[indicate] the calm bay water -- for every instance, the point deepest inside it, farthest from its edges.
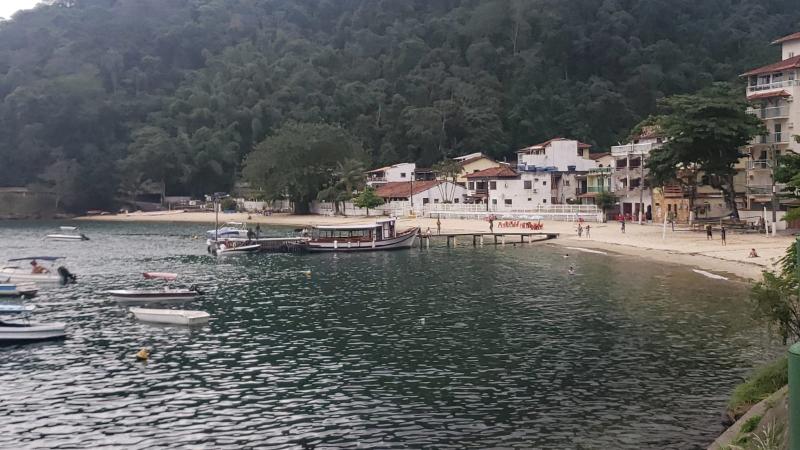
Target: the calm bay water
(487, 347)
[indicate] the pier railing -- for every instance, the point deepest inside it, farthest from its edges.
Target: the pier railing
(468, 211)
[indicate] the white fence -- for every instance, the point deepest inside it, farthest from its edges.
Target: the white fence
(274, 206)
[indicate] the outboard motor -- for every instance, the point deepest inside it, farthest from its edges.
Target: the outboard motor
(196, 289)
(66, 276)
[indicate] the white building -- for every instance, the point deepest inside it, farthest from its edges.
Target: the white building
(559, 154)
(771, 90)
(422, 192)
(403, 172)
(630, 174)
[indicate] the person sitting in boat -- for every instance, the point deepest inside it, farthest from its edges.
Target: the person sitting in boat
(36, 268)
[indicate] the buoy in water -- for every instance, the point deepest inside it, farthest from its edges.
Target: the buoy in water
(307, 273)
(143, 354)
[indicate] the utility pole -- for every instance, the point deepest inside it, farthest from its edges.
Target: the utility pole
(775, 205)
(641, 187)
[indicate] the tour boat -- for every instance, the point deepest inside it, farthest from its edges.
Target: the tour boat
(379, 235)
(229, 230)
(27, 290)
(154, 295)
(74, 236)
(14, 273)
(171, 316)
(21, 330)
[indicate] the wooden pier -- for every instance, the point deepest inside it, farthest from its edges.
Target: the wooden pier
(479, 239)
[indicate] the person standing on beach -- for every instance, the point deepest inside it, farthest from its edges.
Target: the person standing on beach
(709, 232)
(722, 233)
(491, 224)
(622, 224)
(588, 227)
(580, 230)
(438, 225)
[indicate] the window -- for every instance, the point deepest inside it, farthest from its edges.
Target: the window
(508, 201)
(493, 185)
(426, 200)
(494, 201)
(455, 200)
(436, 200)
(544, 200)
(566, 182)
(622, 163)
(527, 184)
(544, 183)
(777, 77)
(471, 185)
(402, 174)
(529, 199)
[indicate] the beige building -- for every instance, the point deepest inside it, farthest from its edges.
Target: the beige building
(771, 90)
(474, 162)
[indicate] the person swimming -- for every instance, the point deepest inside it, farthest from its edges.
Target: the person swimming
(571, 270)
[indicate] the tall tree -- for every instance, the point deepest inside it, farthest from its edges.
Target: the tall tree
(705, 131)
(296, 161)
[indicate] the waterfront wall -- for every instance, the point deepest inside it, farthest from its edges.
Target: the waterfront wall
(22, 203)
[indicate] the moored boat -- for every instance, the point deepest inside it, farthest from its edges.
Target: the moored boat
(21, 330)
(227, 248)
(379, 235)
(15, 308)
(144, 296)
(65, 236)
(169, 276)
(27, 290)
(171, 316)
(227, 231)
(35, 272)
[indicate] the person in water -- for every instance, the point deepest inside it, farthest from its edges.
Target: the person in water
(571, 270)
(36, 268)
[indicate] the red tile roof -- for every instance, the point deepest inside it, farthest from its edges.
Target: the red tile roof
(475, 158)
(596, 156)
(403, 189)
(761, 95)
(789, 63)
(494, 172)
(791, 37)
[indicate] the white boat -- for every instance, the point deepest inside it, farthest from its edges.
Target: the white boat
(144, 296)
(171, 316)
(14, 308)
(225, 248)
(74, 236)
(27, 290)
(24, 331)
(380, 235)
(15, 273)
(227, 231)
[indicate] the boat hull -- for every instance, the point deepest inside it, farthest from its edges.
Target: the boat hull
(143, 297)
(401, 241)
(29, 332)
(172, 317)
(66, 237)
(27, 290)
(14, 276)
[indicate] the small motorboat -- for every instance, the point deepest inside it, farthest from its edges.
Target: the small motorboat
(27, 290)
(227, 231)
(21, 330)
(225, 248)
(171, 316)
(35, 272)
(144, 296)
(160, 276)
(65, 235)
(12, 308)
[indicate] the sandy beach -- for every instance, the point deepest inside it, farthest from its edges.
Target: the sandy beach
(677, 247)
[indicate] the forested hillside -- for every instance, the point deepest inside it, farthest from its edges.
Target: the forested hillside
(98, 97)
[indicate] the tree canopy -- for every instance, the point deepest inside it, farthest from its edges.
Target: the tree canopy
(88, 84)
(704, 132)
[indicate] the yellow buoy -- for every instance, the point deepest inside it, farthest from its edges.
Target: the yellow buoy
(143, 354)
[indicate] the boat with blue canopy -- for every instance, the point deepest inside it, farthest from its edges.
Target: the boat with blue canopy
(36, 269)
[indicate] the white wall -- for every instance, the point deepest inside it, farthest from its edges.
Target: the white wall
(521, 198)
(446, 191)
(790, 47)
(395, 172)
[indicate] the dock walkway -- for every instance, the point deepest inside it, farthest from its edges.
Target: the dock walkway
(496, 238)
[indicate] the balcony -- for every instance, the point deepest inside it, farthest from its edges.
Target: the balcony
(772, 138)
(770, 86)
(633, 149)
(759, 164)
(773, 112)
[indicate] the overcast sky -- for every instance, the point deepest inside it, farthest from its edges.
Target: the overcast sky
(9, 7)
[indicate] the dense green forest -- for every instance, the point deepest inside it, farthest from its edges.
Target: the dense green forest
(98, 98)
